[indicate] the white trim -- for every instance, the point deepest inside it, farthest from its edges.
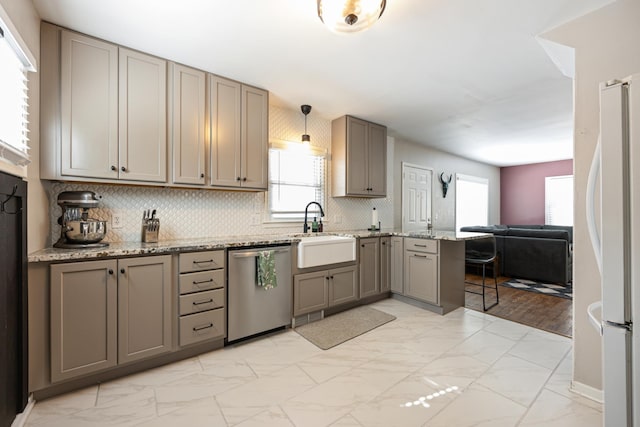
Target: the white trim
(13, 155)
(587, 391)
(15, 40)
(21, 418)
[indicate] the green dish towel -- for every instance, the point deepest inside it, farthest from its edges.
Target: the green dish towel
(266, 270)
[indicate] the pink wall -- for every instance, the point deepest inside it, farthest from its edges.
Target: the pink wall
(522, 190)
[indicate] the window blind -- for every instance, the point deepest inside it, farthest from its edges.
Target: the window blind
(296, 177)
(13, 104)
(558, 200)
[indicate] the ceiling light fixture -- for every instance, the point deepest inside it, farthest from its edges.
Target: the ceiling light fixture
(350, 16)
(306, 109)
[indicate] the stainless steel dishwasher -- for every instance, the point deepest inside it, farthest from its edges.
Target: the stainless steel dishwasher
(253, 309)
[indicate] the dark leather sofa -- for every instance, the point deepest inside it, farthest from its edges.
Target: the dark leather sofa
(535, 252)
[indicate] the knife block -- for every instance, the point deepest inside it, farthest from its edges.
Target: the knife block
(150, 230)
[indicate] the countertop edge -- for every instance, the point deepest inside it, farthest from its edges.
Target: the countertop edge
(124, 249)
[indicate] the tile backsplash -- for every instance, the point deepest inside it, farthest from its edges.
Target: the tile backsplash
(189, 213)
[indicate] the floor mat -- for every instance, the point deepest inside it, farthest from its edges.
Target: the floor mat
(341, 327)
(554, 289)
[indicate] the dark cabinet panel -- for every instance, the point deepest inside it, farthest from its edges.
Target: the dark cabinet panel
(13, 298)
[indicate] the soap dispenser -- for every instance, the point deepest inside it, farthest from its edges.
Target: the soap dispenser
(314, 224)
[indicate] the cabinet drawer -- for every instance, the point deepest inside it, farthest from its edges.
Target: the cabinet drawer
(202, 326)
(201, 281)
(421, 245)
(201, 301)
(198, 261)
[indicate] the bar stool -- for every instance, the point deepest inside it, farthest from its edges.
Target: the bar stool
(482, 252)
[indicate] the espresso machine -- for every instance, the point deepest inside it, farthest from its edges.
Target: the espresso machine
(77, 229)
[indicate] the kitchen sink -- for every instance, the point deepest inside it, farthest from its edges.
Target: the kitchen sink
(323, 250)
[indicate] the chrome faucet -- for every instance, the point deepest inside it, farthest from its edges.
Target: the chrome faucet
(305, 228)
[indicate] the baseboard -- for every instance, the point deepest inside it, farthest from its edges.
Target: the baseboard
(21, 418)
(587, 391)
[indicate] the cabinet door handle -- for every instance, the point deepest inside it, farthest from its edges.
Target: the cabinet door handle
(419, 256)
(203, 262)
(238, 178)
(200, 328)
(420, 246)
(123, 169)
(110, 271)
(113, 168)
(201, 175)
(122, 270)
(202, 281)
(244, 179)
(203, 302)
(331, 277)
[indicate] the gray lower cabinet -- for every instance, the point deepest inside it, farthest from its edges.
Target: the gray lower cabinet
(322, 289)
(202, 298)
(421, 270)
(310, 292)
(105, 313)
(144, 307)
(385, 264)
(84, 318)
(396, 264)
(343, 285)
(369, 252)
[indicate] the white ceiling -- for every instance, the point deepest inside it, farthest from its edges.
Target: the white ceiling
(468, 77)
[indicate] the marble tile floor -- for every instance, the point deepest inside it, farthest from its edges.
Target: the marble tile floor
(463, 369)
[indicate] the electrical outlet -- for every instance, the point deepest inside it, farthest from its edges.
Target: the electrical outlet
(117, 219)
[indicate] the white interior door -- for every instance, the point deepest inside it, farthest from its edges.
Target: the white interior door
(416, 197)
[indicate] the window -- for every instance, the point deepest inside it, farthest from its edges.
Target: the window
(296, 177)
(472, 201)
(558, 200)
(13, 105)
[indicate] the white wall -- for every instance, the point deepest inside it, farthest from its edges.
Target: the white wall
(443, 209)
(607, 44)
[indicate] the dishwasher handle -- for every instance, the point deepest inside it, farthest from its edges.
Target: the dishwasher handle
(257, 253)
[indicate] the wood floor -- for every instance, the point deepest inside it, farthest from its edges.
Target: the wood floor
(549, 313)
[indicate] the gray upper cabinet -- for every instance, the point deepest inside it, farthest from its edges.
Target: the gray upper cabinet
(359, 158)
(187, 124)
(103, 110)
(142, 117)
(84, 323)
(238, 116)
(88, 105)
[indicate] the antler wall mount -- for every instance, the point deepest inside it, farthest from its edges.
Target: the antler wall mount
(445, 183)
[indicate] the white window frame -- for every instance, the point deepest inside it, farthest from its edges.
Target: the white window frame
(565, 201)
(16, 151)
(313, 210)
(462, 204)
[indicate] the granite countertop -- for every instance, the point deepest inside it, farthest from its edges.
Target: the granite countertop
(204, 244)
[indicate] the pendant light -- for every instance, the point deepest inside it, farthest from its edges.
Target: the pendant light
(350, 16)
(306, 109)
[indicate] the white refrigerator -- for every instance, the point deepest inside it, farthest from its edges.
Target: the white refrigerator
(617, 247)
